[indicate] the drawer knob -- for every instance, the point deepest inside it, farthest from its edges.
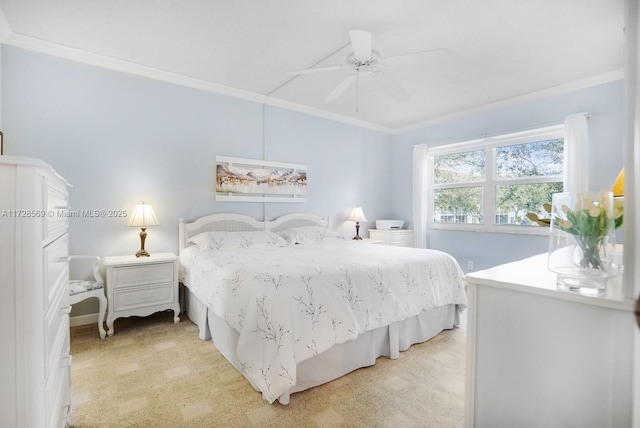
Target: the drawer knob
(65, 361)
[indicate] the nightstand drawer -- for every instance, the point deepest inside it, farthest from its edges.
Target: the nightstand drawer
(404, 239)
(140, 275)
(138, 297)
(397, 237)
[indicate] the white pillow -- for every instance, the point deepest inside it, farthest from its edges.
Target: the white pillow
(219, 240)
(304, 234)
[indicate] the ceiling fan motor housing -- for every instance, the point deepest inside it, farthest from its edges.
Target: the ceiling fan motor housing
(364, 66)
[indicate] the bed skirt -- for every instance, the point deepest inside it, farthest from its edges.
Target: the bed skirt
(339, 360)
(197, 313)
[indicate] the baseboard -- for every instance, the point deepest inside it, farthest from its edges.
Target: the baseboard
(83, 320)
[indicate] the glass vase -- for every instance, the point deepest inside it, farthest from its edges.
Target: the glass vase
(582, 241)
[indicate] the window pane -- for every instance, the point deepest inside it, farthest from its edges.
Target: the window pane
(459, 167)
(459, 205)
(539, 158)
(514, 202)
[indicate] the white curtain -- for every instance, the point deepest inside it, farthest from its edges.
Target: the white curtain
(576, 153)
(420, 181)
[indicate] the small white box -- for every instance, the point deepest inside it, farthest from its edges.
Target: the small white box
(389, 224)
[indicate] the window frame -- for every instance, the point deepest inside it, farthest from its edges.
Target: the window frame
(488, 186)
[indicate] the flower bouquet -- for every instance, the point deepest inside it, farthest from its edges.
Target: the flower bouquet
(618, 209)
(582, 247)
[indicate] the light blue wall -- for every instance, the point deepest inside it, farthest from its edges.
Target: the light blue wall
(120, 139)
(604, 103)
(347, 165)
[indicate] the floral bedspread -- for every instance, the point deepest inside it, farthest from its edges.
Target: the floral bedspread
(291, 303)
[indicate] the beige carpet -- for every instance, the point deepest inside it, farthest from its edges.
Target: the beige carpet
(154, 373)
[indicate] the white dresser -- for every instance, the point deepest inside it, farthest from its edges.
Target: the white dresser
(141, 286)
(542, 357)
(397, 237)
(35, 368)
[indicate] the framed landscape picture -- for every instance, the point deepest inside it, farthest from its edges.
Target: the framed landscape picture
(249, 180)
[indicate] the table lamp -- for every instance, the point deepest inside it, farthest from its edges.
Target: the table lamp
(358, 216)
(143, 216)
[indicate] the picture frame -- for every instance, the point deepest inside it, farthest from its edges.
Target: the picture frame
(252, 180)
(1, 143)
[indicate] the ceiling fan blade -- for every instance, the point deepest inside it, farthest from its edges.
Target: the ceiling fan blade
(315, 70)
(391, 87)
(394, 57)
(342, 86)
(361, 44)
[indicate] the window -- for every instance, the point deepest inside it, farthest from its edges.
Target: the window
(491, 184)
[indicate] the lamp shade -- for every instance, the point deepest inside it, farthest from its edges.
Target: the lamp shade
(143, 216)
(357, 215)
(618, 186)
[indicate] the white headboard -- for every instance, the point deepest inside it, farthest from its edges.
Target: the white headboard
(289, 221)
(230, 222)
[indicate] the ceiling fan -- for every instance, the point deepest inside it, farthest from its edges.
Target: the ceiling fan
(363, 62)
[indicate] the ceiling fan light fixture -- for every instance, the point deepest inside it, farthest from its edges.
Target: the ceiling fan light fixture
(373, 61)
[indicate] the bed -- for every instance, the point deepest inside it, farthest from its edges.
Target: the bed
(291, 305)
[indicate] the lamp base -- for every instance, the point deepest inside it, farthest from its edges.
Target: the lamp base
(142, 253)
(357, 237)
(143, 236)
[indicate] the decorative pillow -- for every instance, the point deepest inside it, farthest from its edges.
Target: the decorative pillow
(80, 286)
(219, 240)
(304, 234)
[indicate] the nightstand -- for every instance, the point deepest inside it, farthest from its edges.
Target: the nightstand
(141, 286)
(397, 237)
(370, 241)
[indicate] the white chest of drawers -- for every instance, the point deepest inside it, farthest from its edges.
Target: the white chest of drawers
(35, 364)
(397, 237)
(542, 357)
(141, 286)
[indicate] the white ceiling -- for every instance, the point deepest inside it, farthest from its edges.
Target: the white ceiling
(498, 52)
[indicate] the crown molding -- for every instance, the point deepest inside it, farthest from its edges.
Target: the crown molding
(42, 46)
(600, 79)
(103, 61)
